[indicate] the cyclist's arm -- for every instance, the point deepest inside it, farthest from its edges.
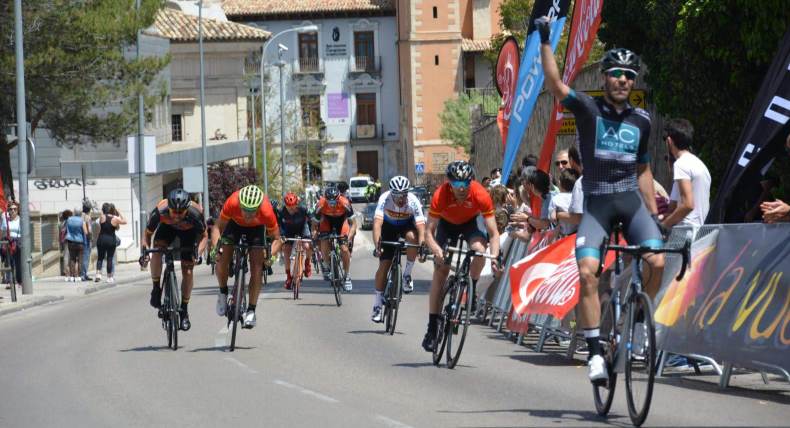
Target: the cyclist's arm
(153, 223)
(645, 177)
(420, 233)
(377, 223)
(216, 231)
(493, 235)
(554, 82)
(433, 223)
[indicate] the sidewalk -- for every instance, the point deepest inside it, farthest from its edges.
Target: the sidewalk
(54, 289)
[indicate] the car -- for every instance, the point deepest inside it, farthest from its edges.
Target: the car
(422, 194)
(367, 216)
(357, 187)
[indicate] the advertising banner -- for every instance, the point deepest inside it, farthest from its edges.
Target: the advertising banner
(506, 79)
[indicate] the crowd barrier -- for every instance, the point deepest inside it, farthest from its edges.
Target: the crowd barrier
(732, 309)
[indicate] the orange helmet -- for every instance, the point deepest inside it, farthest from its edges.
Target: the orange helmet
(291, 199)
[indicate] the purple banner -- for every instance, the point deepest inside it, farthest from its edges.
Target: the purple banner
(337, 105)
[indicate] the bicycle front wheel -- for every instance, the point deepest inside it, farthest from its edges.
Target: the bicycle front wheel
(641, 359)
(603, 392)
(443, 323)
(297, 274)
(175, 316)
(337, 279)
(394, 298)
(235, 312)
(387, 308)
(461, 301)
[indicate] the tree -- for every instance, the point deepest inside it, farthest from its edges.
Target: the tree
(223, 180)
(78, 82)
(456, 120)
(706, 62)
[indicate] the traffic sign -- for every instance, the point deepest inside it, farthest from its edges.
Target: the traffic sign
(637, 99)
(419, 168)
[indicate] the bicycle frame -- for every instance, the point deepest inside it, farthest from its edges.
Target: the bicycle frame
(297, 256)
(171, 317)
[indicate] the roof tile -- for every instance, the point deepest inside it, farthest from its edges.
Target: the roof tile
(469, 45)
(181, 27)
(280, 7)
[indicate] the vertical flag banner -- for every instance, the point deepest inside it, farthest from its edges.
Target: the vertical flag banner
(506, 75)
(530, 75)
(761, 141)
(586, 20)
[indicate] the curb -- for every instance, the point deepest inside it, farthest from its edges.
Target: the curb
(36, 301)
(106, 285)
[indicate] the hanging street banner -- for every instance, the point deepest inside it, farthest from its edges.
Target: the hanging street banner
(734, 304)
(530, 75)
(760, 142)
(586, 20)
(506, 75)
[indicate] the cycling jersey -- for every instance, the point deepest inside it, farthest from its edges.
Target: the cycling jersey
(192, 220)
(611, 144)
(342, 208)
(232, 211)
(444, 205)
(293, 225)
(391, 213)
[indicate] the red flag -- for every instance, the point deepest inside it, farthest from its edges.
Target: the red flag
(506, 79)
(586, 19)
(3, 202)
(502, 124)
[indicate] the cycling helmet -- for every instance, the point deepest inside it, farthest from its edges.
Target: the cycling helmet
(290, 199)
(331, 193)
(250, 197)
(178, 200)
(399, 184)
(620, 58)
(460, 170)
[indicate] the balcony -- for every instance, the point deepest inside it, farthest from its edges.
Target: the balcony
(488, 98)
(308, 65)
(365, 64)
(372, 132)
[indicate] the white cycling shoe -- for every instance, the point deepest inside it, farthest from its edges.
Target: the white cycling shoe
(250, 320)
(596, 369)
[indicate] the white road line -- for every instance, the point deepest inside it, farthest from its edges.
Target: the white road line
(306, 391)
(391, 422)
(242, 365)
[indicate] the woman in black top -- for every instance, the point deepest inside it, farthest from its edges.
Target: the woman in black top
(109, 221)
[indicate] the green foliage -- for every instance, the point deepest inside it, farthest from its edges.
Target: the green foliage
(456, 119)
(78, 82)
(706, 61)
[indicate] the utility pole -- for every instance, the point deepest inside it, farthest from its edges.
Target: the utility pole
(206, 202)
(254, 154)
(280, 65)
(140, 128)
(21, 124)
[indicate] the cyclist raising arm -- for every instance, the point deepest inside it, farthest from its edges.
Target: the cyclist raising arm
(398, 215)
(617, 181)
(176, 216)
(246, 213)
(454, 211)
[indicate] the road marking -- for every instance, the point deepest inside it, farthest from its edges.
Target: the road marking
(391, 422)
(306, 391)
(242, 365)
(222, 338)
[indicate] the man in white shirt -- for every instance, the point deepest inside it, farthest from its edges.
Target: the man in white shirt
(690, 196)
(576, 209)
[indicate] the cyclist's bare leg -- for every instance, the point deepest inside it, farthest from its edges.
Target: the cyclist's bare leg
(325, 251)
(308, 250)
(156, 262)
(437, 283)
(478, 244)
(345, 255)
(652, 271)
(590, 316)
(411, 253)
(381, 274)
(223, 265)
(286, 256)
(187, 267)
(256, 273)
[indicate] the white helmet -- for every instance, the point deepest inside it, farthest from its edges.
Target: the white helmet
(399, 184)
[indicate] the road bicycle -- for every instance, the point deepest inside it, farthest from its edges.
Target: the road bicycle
(393, 291)
(457, 295)
(336, 274)
(169, 311)
(628, 332)
(297, 263)
(237, 298)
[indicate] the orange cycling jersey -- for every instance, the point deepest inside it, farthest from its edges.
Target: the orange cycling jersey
(192, 220)
(263, 217)
(444, 205)
(341, 209)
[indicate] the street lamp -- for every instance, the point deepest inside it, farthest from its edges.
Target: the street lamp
(280, 64)
(306, 28)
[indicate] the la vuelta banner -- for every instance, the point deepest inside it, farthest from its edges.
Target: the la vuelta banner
(586, 20)
(506, 75)
(734, 305)
(530, 75)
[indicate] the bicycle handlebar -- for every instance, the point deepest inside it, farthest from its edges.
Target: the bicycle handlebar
(298, 240)
(639, 250)
(400, 243)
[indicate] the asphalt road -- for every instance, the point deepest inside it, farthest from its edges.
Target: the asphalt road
(102, 360)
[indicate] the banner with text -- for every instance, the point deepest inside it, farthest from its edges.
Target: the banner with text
(506, 74)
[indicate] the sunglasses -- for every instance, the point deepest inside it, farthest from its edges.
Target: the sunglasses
(630, 75)
(561, 162)
(459, 184)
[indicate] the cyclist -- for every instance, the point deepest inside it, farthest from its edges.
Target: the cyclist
(294, 223)
(176, 216)
(455, 208)
(617, 182)
(332, 213)
(398, 215)
(352, 223)
(246, 213)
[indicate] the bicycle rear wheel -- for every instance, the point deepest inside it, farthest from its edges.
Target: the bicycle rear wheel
(175, 316)
(394, 299)
(387, 308)
(443, 322)
(461, 301)
(297, 274)
(235, 312)
(603, 392)
(641, 362)
(337, 280)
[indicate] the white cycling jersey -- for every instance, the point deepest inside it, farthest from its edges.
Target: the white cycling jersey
(399, 216)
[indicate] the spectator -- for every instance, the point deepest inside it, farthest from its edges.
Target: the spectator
(538, 183)
(690, 196)
(561, 161)
(76, 230)
(561, 202)
(10, 227)
(486, 181)
(576, 209)
(109, 221)
(777, 211)
(86, 253)
(496, 174)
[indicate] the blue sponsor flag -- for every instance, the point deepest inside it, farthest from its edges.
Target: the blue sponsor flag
(530, 76)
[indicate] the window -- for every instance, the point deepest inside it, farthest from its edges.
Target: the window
(435, 12)
(364, 51)
(308, 52)
(311, 110)
(177, 126)
(436, 60)
(366, 109)
(469, 71)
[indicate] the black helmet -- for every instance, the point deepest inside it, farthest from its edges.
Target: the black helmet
(460, 170)
(178, 199)
(620, 58)
(331, 193)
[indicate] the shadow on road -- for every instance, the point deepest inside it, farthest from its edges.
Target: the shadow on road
(558, 416)
(147, 349)
(428, 364)
(710, 384)
(220, 348)
(548, 360)
(379, 332)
